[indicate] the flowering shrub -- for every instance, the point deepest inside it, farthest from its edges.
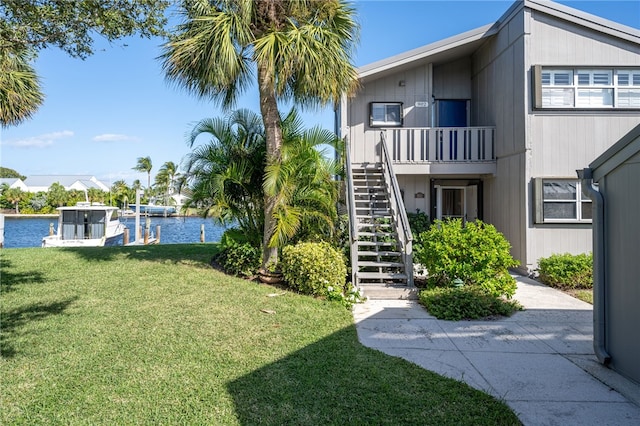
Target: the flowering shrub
(312, 268)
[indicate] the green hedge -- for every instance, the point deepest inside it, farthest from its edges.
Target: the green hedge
(312, 268)
(465, 303)
(567, 271)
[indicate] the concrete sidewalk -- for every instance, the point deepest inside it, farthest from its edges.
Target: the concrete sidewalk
(539, 361)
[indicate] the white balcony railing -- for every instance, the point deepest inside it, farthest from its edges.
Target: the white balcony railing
(441, 144)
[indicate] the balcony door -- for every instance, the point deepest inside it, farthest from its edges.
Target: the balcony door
(452, 113)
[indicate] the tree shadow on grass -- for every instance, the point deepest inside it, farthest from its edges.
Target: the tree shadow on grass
(336, 380)
(173, 253)
(14, 320)
(10, 279)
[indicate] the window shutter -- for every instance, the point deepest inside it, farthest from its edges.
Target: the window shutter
(538, 201)
(537, 86)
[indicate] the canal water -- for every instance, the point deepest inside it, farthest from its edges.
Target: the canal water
(28, 231)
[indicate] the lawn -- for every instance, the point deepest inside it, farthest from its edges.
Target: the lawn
(154, 335)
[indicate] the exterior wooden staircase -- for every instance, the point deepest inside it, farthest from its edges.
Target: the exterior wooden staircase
(380, 237)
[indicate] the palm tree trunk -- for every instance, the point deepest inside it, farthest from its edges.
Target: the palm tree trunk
(273, 136)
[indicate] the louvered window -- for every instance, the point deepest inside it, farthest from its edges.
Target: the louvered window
(597, 88)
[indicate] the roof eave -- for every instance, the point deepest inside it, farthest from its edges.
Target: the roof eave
(423, 52)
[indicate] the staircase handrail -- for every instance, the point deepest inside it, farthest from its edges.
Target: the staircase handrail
(395, 189)
(399, 208)
(351, 209)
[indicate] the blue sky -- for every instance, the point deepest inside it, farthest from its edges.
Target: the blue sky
(102, 113)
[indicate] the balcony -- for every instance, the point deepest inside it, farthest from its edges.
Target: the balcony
(442, 150)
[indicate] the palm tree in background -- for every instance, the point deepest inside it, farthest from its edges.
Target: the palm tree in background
(20, 92)
(121, 193)
(57, 195)
(165, 180)
(14, 196)
(297, 50)
(145, 165)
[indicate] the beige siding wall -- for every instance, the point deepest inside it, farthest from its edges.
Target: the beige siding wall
(410, 185)
(452, 80)
(563, 142)
(414, 88)
(498, 80)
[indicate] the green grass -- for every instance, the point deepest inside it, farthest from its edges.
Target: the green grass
(584, 295)
(153, 335)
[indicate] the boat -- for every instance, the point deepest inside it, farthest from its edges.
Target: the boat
(153, 210)
(86, 225)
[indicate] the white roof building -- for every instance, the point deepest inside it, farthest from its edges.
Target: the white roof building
(39, 183)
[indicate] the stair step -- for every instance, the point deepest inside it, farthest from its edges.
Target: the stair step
(382, 275)
(377, 243)
(376, 264)
(377, 234)
(374, 216)
(381, 291)
(374, 225)
(379, 253)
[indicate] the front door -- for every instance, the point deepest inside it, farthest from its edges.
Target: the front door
(451, 202)
(456, 199)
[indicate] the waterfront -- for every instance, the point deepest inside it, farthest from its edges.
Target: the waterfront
(28, 231)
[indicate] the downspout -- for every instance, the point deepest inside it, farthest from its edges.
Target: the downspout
(599, 280)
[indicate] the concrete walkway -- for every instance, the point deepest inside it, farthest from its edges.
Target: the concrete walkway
(539, 361)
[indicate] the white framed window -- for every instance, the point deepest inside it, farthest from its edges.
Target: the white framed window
(628, 83)
(385, 114)
(586, 88)
(560, 200)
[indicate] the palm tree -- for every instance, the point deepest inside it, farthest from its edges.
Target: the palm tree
(166, 179)
(144, 165)
(226, 173)
(120, 191)
(96, 195)
(298, 50)
(57, 195)
(20, 92)
(14, 196)
(303, 184)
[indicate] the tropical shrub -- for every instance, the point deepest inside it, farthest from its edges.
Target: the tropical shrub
(474, 253)
(348, 297)
(419, 222)
(237, 255)
(465, 303)
(567, 271)
(311, 268)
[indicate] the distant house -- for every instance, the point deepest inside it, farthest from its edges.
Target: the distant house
(14, 183)
(616, 242)
(37, 183)
(489, 124)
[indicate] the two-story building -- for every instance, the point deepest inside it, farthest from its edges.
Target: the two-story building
(490, 124)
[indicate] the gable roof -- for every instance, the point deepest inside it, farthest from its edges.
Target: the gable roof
(48, 180)
(43, 182)
(617, 154)
(13, 182)
(467, 42)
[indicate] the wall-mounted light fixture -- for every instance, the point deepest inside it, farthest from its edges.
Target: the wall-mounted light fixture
(401, 83)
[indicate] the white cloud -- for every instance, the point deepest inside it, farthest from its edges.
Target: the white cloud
(40, 141)
(113, 137)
